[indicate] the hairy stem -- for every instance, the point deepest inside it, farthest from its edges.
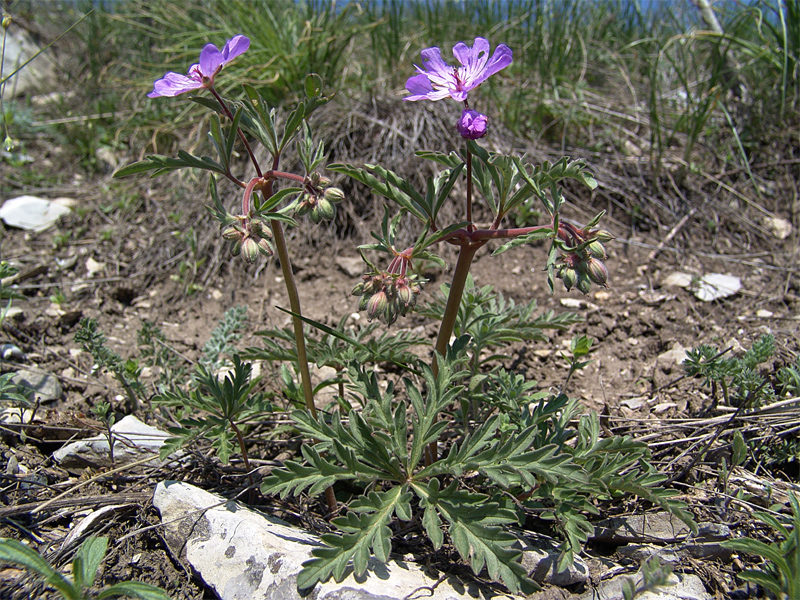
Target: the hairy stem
(294, 304)
(465, 256)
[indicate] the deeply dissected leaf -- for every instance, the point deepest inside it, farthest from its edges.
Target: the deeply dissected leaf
(365, 533)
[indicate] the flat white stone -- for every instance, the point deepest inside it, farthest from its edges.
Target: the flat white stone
(716, 286)
(779, 228)
(677, 279)
(33, 213)
(244, 555)
(133, 440)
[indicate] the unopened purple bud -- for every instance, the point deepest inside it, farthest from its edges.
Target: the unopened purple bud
(250, 250)
(472, 124)
(597, 271)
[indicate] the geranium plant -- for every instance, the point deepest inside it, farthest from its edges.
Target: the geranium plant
(523, 456)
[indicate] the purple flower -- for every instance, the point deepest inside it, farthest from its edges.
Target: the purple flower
(472, 124)
(437, 80)
(201, 75)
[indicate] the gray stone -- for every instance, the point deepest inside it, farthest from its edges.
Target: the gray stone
(12, 352)
(44, 385)
(353, 267)
(681, 587)
(661, 526)
(37, 74)
(133, 441)
(33, 213)
(244, 555)
(540, 557)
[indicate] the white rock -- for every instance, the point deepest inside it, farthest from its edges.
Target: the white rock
(764, 314)
(674, 356)
(93, 267)
(133, 440)
(779, 228)
(244, 555)
(33, 213)
(677, 279)
(715, 286)
(682, 587)
(578, 303)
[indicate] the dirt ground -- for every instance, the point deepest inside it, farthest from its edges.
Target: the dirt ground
(142, 270)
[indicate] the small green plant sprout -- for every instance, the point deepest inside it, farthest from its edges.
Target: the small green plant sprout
(58, 297)
(220, 408)
(85, 565)
(15, 395)
(779, 574)
(738, 378)
(102, 410)
(579, 348)
(220, 344)
(653, 574)
(7, 294)
(155, 352)
(126, 372)
(789, 379)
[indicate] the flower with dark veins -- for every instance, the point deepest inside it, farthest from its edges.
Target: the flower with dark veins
(436, 79)
(201, 75)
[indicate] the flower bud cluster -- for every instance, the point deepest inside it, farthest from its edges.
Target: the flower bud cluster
(248, 237)
(318, 200)
(582, 268)
(386, 296)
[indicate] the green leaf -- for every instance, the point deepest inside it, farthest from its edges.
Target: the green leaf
(133, 589)
(87, 560)
(13, 552)
(477, 533)
(365, 533)
(539, 234)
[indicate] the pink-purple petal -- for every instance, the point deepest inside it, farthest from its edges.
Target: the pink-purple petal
(234, 47)
(210, 60)
(432, 62)
(173, 84)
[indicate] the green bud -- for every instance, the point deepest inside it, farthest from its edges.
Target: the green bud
(323, 182)
(314, 215)
(6, 21)
(326, 210)
(250, 250)
(236, 247)
(405, 295)
(363, 302)
(358, 289)
(256, 228)
(597, 250)
(302, 209)
(597, 271)
(333, 195)
(602, 235)
(569, 276)
(264, 247)
(584, 283)
(376, 306)
(231, 232)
